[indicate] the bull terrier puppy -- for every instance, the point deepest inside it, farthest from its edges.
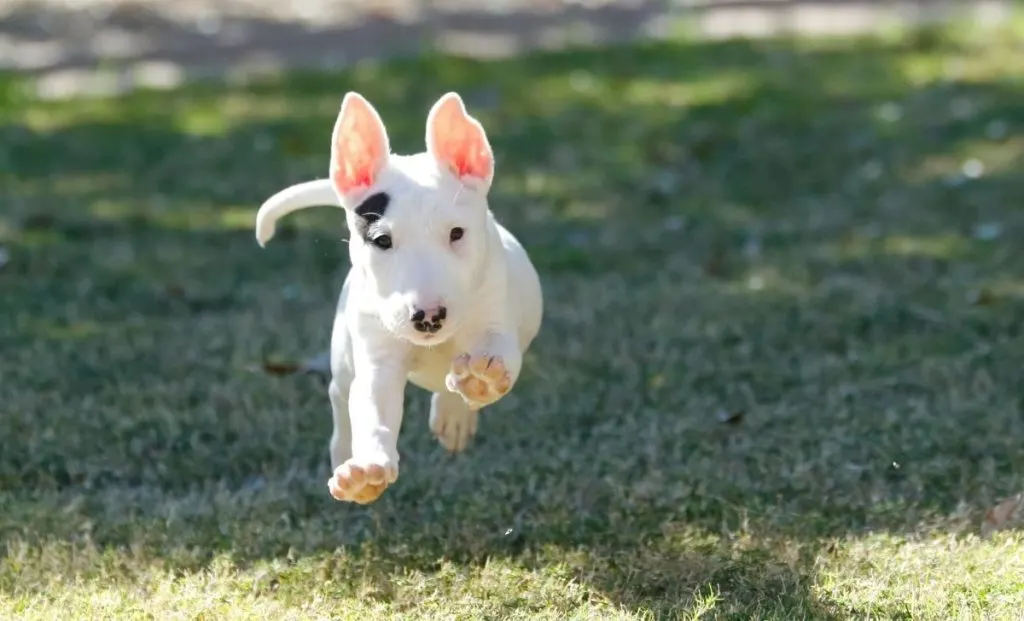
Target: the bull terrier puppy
(438, 292)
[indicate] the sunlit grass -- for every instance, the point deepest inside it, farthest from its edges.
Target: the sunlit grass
(935, 577)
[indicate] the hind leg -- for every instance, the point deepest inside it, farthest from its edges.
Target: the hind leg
(452, 421)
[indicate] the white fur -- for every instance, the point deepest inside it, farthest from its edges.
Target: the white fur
(485, 280)
(293, 198)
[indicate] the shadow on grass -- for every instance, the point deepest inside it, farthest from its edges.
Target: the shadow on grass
(796, 234)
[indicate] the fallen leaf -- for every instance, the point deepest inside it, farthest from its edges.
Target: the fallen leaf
(317, 365)
(281, 368)
(1004, 515)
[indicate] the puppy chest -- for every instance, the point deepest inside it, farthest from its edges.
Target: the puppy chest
(428, 367)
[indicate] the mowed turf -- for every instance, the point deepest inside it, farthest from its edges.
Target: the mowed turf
(778, 376)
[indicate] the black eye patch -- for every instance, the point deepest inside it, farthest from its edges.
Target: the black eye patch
(370, 211)
(373, 208)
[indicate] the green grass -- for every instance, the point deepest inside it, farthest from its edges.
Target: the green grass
(779, 230)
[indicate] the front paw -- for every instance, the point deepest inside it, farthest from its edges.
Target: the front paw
(363, 481)
(480, 379)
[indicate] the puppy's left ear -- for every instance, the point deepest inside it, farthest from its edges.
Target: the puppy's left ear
(459, 144)
(359, 147)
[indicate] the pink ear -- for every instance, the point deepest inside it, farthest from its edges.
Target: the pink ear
(359, 145)
(458, 141)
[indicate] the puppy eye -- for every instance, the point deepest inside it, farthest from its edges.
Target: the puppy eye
(456, 234)
(382, 241)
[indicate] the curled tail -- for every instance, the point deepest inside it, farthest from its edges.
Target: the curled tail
(292, 198)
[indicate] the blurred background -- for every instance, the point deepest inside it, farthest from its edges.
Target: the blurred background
(109, 46)
(780, 244)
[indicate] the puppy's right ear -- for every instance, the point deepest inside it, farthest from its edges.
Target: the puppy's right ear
(458, 142)
(359, 148)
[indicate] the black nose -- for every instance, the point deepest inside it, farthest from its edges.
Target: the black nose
(433, 324)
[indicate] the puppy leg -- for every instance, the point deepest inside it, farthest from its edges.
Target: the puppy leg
(341, 369)
(452, 421)
(341, 438)
(375, 408)
(488, 370)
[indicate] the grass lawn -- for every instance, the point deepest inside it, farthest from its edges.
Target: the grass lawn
(777, 379)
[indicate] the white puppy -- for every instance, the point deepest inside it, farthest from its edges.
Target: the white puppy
(438, 294)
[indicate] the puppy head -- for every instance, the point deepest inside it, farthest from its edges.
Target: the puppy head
(418, 222)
